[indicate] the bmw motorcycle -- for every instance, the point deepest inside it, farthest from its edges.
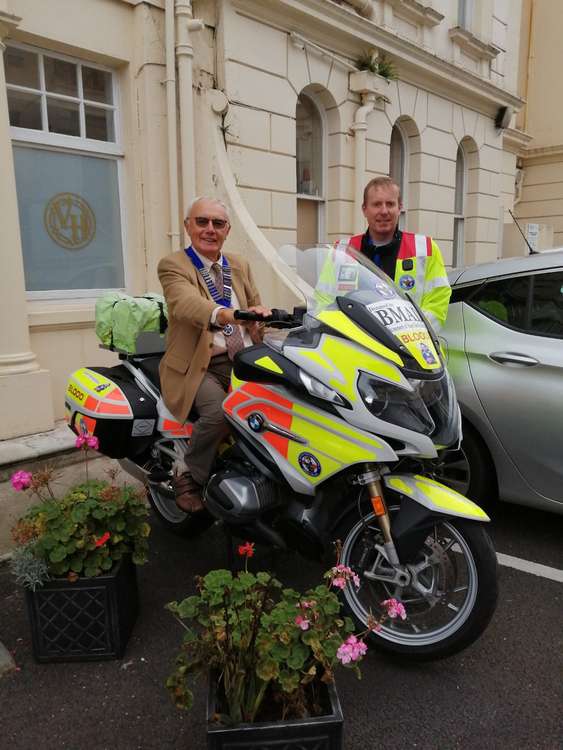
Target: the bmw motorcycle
(339, 421)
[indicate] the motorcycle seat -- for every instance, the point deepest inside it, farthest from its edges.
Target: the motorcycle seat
(149, 366)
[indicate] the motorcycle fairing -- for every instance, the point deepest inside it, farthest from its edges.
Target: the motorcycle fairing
(435, 496)
(308, 444)
(94, 394)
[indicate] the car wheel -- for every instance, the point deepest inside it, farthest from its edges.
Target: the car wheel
(470, 470)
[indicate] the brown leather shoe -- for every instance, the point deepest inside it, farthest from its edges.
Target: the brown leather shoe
(188, 493)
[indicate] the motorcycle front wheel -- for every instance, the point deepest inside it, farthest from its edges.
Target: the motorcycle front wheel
(449, 599)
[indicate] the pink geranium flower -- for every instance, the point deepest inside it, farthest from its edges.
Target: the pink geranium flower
(93, 442)
(302, 622)
(395, 609)
(21, 480)
(351, 650)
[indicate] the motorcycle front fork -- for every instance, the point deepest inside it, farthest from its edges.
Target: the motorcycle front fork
(372, 480)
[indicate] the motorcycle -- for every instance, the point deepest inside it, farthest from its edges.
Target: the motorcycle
(339, 420)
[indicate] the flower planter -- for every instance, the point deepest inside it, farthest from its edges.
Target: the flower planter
(88, 620)
(316, 733)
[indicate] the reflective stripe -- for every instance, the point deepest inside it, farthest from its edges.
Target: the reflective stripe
(421, 246)
(439, 281)
(418, 290)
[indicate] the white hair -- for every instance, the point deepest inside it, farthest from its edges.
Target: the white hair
(206, 198)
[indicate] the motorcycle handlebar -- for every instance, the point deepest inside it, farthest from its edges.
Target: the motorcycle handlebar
(277, 317)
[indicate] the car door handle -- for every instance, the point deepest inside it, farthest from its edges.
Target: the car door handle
(513, 358)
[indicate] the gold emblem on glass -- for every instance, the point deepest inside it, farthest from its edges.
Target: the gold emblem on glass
(69, 221)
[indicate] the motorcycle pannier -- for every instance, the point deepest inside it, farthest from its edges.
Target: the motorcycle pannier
(134, 325)
(106, 402)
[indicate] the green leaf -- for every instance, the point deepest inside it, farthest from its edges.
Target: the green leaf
(188, 608)
(267, 669)
(58, 554)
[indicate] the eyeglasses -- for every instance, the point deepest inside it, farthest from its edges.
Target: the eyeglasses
(203, 221)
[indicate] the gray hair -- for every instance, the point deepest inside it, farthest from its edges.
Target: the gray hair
(207, 198)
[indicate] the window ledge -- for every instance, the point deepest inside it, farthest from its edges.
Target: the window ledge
(61, 315)
(412, 10)
(472, 45)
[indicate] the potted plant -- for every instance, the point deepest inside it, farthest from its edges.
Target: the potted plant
(270, 653)
(76, 557)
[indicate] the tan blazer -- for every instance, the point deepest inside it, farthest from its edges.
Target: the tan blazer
(189, 337)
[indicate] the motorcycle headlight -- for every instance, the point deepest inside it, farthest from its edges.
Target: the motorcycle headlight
(320, 390)
(396, 405)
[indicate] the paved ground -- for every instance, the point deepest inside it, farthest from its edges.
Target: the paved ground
(504, 692)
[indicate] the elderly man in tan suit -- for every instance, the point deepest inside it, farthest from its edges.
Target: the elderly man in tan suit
(203, 287)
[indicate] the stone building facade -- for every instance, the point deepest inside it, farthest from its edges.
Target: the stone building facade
(114, 114)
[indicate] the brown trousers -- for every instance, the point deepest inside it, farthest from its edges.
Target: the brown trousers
(211, 428)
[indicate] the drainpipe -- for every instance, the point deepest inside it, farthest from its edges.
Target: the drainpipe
(184, 53)
(171, 109)
(359, 128)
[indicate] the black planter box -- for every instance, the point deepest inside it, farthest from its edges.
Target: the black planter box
(317, 733)
(88, 620)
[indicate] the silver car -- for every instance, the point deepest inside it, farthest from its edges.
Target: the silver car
(504, 344)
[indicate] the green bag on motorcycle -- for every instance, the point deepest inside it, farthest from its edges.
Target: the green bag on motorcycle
(133, 325)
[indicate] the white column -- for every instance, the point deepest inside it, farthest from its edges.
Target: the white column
(25, 389)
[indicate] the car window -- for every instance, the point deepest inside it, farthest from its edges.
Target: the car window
(505, 300)
(546, 315)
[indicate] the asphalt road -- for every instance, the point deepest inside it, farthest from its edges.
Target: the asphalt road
(506, 691)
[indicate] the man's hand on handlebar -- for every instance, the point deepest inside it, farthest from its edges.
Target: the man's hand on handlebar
(251, 316)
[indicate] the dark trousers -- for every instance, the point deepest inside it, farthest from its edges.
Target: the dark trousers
(211, 428)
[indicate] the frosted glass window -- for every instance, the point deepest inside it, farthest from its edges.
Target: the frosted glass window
(70, 220)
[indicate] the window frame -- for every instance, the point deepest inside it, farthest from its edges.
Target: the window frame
(465, 14)
(321, 200)
(530, 275)
(458, 244)
(79, 145)
(403, 180)
(43, 136)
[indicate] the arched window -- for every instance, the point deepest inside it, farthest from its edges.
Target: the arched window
(459, 206)
(398, 167)
(310, 172)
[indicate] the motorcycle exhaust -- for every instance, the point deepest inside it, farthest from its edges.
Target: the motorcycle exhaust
(135, 471)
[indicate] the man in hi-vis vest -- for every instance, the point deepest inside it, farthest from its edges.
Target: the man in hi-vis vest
(413, 261)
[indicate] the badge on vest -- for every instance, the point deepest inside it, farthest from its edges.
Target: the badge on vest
(406, 282)
(408, 265)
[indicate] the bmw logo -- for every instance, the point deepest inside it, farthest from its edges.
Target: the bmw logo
(255, 422)
(310, 464)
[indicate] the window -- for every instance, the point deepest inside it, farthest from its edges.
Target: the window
(465, 10)
(310, 171)
(63, 116)
(459, 207)
(546, 314)
(505, 300)
(531, 304)
(398, 168)
(54, 95)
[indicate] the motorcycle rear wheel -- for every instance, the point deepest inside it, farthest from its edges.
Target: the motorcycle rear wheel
(168, 458)
(458, 568)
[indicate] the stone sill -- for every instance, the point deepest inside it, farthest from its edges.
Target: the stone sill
(42, 445)
(60, 315)
(412, 10)
(472, 45)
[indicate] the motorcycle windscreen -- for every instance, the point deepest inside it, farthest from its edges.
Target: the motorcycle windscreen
(351, 292)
